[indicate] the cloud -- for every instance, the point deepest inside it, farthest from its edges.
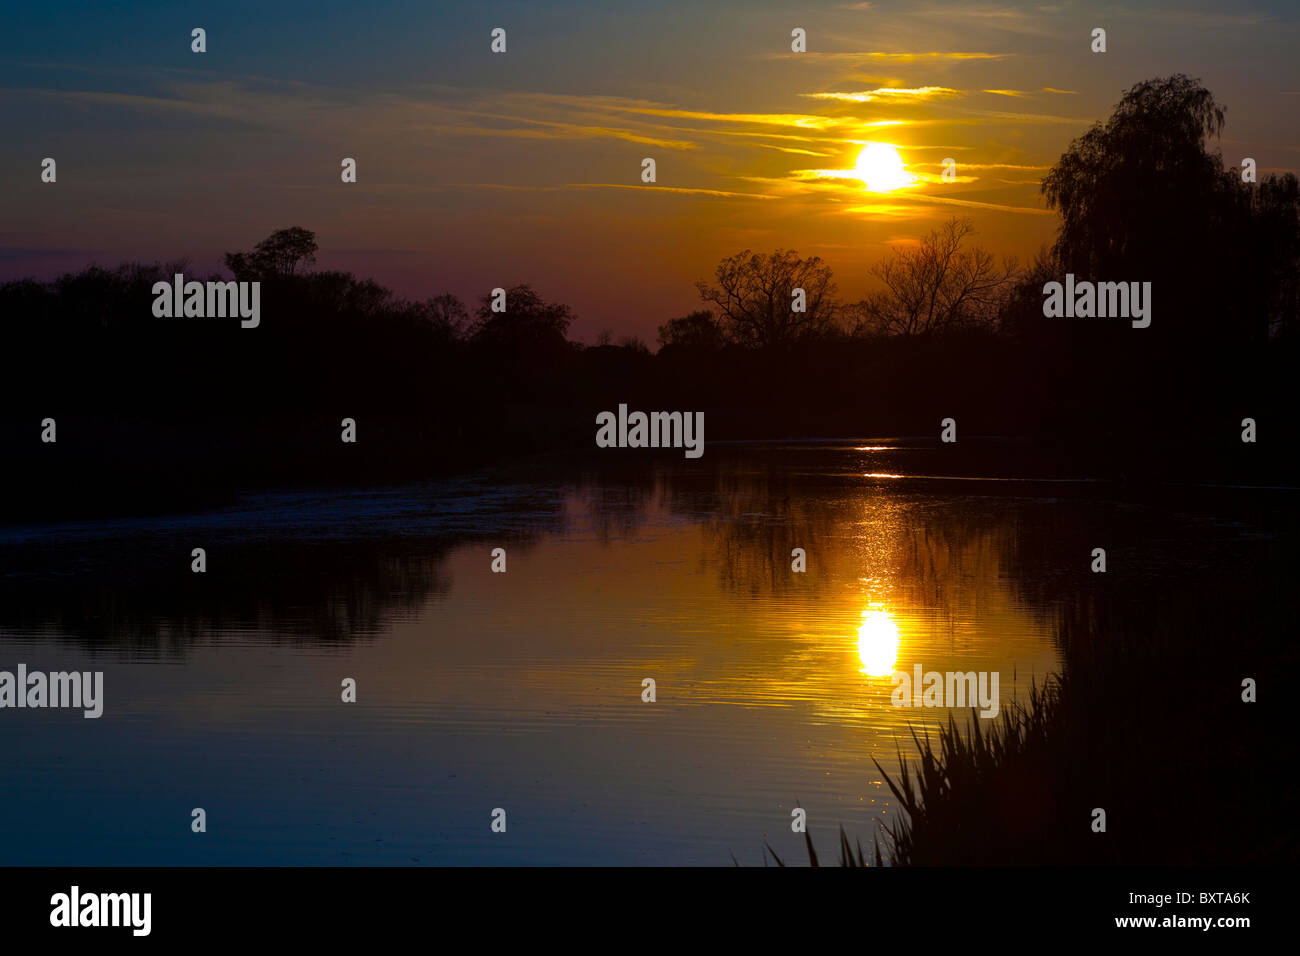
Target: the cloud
(793, 120)
(986, 166)
(1006, 19)
(766, 134)
(153, 104)
(1045, 89)
(790, 149)
(1041, 118)
(886, 93)
(726, 194)
(545, 129)
(948, 201)
(891, 57)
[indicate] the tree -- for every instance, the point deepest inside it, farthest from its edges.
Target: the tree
(1141, 197)
(1275, 252)
(279, 254)
(697, 331)
(1021, 315)
(755, 297)
(522, 353)
(937, 286)
(1128, 187)
(634, 343)
(446, 313)
(528, 325)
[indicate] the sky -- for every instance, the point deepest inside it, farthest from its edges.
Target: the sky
(477, 170)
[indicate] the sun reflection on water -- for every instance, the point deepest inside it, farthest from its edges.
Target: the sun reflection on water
(877, 642)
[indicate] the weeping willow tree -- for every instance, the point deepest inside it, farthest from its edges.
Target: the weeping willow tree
(1142, 196)
(1123, 186)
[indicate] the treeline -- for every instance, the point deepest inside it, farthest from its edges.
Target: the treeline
(772, 353)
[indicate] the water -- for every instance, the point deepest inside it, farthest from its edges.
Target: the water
(523, 690)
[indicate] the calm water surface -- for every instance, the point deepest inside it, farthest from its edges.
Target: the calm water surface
(523, 690)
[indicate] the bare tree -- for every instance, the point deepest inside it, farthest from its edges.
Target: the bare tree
(937, 286)
(755, 297)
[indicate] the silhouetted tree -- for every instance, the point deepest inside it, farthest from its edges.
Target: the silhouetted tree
(279, 254)
(1126, 187)
(754, 295)
(447, 315)
(1142, 198)
(1021, 317)
(523, 351)
(1266, 239)
(634, 343)
(698, 331)
(529, 323)
(937, 286)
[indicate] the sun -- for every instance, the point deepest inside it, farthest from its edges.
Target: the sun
(880, 167)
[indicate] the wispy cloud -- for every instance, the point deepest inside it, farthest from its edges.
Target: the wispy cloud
(1020, 93)
(886, 93)
(1007, 19)
(212, 109)
(1039, 118)
(685, 190)
(892, 57)
(793, 120)
(988, 166)
(546, 129)
(791, 149)
(975, 204)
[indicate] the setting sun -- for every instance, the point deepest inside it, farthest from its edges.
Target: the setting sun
(880, 167)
